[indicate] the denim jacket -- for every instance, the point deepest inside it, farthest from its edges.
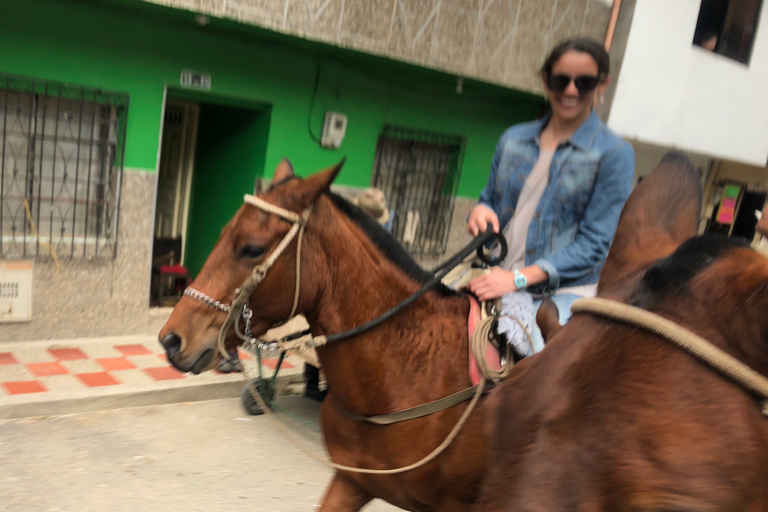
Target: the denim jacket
(589, 180)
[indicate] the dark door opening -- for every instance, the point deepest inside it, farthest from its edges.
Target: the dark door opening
(211, 155)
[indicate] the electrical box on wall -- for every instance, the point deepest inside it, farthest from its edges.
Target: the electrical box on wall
(15, 291)
(334, 128)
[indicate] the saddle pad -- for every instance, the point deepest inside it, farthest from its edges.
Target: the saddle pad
(491, 353)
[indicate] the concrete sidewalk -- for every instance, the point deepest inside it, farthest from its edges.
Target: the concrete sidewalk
(52, 377)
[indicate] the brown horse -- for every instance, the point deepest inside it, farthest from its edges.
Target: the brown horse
(607, 417)
(610, 417)
(351, 272)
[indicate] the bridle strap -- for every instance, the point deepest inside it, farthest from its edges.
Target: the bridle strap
(260, 271)
(273, 209)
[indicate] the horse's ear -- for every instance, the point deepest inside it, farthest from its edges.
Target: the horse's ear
(319, 183)
(283, 171)
(548, 319)
(662, 212)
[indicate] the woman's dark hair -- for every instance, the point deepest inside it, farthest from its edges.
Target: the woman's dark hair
(583, 45)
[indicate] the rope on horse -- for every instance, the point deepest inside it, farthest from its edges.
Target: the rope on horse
(340, 467)
(719, 360)
(484, 333)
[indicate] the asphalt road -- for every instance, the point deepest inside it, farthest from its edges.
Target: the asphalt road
(199, 456)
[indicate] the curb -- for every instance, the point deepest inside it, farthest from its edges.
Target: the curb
(16, 407)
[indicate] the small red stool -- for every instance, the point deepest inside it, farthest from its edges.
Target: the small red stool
(180, 278)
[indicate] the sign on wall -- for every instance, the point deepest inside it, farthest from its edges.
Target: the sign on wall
(195, 80)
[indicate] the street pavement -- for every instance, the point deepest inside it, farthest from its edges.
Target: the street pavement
(197, 456)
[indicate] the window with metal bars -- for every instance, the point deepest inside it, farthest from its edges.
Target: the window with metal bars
(419, 171)
(60, 174)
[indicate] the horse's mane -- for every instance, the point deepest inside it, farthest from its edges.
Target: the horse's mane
(386, 243)
(671, 274)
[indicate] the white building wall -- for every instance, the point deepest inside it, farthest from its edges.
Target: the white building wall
(674, 94)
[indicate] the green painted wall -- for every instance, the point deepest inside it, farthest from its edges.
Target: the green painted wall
(140, 50)
(229, 150)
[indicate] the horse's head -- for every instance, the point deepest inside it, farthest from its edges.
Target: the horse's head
(718, 286)
(660, 214)
(191, 334)
(711, 283)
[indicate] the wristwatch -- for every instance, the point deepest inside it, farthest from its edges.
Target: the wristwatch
(520, 281)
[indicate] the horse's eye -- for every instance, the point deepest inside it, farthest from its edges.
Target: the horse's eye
(251, 251)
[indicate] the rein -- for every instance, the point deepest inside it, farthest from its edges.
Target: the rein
(725, 364)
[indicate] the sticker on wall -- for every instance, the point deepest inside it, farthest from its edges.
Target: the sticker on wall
(195, 80)
(727, 210)
(15, 291)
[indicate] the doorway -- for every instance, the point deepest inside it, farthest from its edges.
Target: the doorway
(174, 182)
(211, 154)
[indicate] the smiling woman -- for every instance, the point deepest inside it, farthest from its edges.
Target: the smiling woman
(556, 190)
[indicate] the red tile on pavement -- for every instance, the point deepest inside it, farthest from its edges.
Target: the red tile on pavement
(28, 386)
(134, 350)
(164, 357)
(164, 373)
(47, 369)
(7, 358)
(96, 379)
(272, 363)
(67, 354)
(115, 363)
(243, 355)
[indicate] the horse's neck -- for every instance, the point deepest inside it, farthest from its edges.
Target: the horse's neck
(744, 339)
(727, 329)
(427, 338)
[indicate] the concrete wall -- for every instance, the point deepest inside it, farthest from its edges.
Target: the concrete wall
(98, 297)
(674, 94)
(499, 41)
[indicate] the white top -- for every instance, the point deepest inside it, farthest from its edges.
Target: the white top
(516, 230)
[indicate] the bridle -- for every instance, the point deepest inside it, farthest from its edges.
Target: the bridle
(239, 305)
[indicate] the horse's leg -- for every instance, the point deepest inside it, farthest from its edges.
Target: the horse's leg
(344, 496)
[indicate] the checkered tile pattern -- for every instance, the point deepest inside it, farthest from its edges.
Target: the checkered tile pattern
(40, 368)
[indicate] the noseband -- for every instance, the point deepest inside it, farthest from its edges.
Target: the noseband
(239, 304)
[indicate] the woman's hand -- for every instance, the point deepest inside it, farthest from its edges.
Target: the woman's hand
(493, 285)
(479, 218)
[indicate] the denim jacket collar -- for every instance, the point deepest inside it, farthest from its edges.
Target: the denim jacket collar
(582, 138)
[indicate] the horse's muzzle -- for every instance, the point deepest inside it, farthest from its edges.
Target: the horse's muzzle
(171, 342)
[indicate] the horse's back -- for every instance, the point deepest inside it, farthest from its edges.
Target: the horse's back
(589, 425)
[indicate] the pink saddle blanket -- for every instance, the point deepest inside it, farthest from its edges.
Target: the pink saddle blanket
(491, 353)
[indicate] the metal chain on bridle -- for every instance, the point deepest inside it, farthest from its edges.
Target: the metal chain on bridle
(239, 306)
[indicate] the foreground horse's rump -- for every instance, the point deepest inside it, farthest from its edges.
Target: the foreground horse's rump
(610, 417)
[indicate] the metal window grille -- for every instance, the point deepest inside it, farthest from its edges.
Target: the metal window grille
(419, 171)
(61, 169)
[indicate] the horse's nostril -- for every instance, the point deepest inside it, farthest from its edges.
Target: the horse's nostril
(172, 343)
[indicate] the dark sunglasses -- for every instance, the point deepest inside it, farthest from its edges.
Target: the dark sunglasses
(583, 83)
